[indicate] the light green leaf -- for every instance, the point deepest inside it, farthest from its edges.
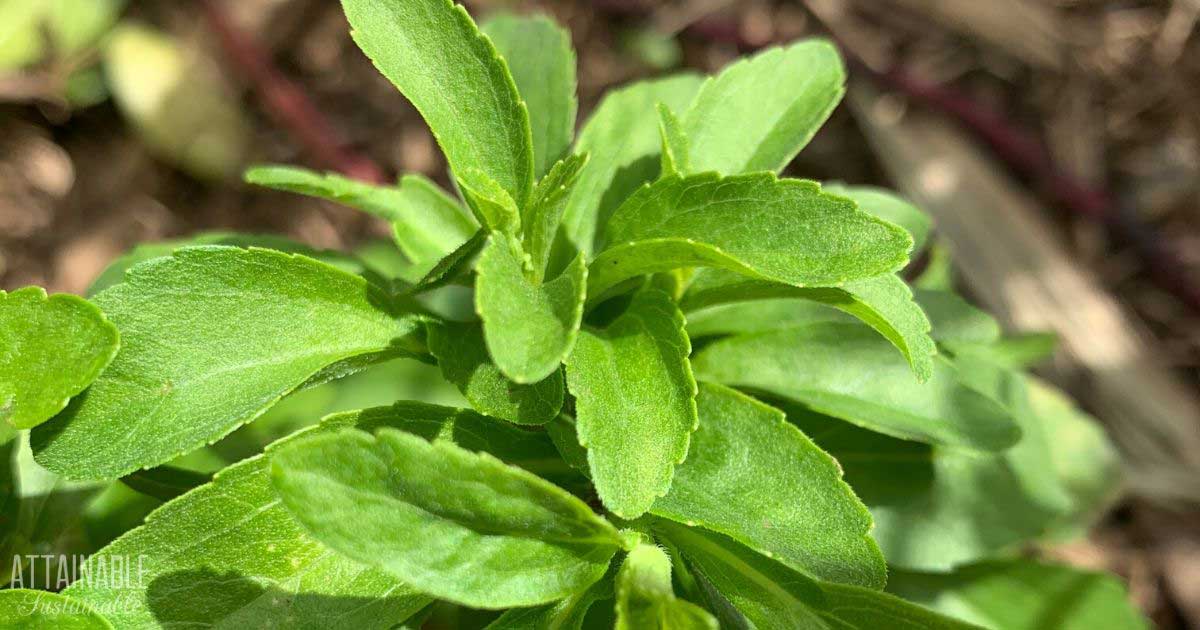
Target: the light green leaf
(24, 609)
(464, 526)
(635, 402)
(955, 321)
(546, 210)
(936, 508)
(782, 230)
(228, 555)
(758, 113)
(1085, 462)
(51, 348)
(432, 51)
(212, 337)
(1024, 595)
(676, 152)
(114, 273)
(847, 371)
(529, 327)
(646, 600)
(623, 140)
(809, 520)
(460, 352)
(539, 54)
(890, 207)
(884, 303)
(427, 223)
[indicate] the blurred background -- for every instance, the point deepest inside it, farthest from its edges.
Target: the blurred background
(1055, 142)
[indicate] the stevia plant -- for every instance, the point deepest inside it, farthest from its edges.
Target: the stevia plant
(697, 394)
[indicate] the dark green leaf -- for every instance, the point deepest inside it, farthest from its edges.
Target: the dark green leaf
(463, 358)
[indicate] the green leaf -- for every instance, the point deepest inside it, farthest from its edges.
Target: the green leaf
(453, 267)
(529, 327)
(645, 599)
(758, 113)
(635, 402)
(955, 321)
(676, 152)
(114, 273)
(847, 371)
(51, 348)
(492, 205)
(464, 526)
(227, 554)
(24, 609)
(432, 51)
(782, 230)
(460, 352)
(792, 504)
(890, 207)
(757, 316)
(546, 210)
(1085, 463)
(427, 223)
(539, 54)
(884, 303)
(767, 594)
(936, 508)
(864, 609)
(623, 140)
(1024, 595)
(213, 336)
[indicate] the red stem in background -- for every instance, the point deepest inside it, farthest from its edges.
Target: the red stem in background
(1022, 151)
(287, 103)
